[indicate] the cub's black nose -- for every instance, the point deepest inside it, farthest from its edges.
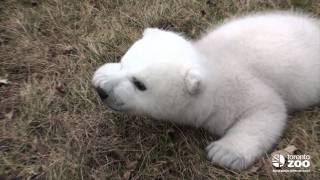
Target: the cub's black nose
(103, 95)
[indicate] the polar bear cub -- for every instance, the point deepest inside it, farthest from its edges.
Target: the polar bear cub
(238, 81)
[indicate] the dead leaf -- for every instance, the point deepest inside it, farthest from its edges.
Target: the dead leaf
(131, 165)
(61, 88)
(126, 175)
(69, 50)
(253, 169)
(117, 155)
(291, 149)
(9, 115)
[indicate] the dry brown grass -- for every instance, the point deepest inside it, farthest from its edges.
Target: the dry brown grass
(53, 125)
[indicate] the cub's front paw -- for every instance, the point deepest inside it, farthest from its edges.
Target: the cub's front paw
(221, 154)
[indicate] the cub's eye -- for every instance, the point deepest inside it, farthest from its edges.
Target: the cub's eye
(139, 84)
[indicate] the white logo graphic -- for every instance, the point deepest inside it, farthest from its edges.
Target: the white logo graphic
(291, 163)
(278, 160)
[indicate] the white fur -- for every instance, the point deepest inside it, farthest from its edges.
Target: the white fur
(238, 81)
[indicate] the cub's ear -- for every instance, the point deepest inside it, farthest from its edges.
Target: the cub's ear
(151, 31)
(192, 81)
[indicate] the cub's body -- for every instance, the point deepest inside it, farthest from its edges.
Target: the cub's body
(238, 81)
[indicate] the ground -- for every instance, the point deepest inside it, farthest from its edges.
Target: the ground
(52, 124)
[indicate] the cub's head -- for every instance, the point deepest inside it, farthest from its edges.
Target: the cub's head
(159, 76)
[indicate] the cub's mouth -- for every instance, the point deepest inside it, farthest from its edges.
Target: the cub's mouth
(119, 107)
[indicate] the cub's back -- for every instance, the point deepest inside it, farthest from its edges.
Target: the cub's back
(281, 49)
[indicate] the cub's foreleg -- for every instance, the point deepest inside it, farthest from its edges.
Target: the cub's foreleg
(250, 137)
